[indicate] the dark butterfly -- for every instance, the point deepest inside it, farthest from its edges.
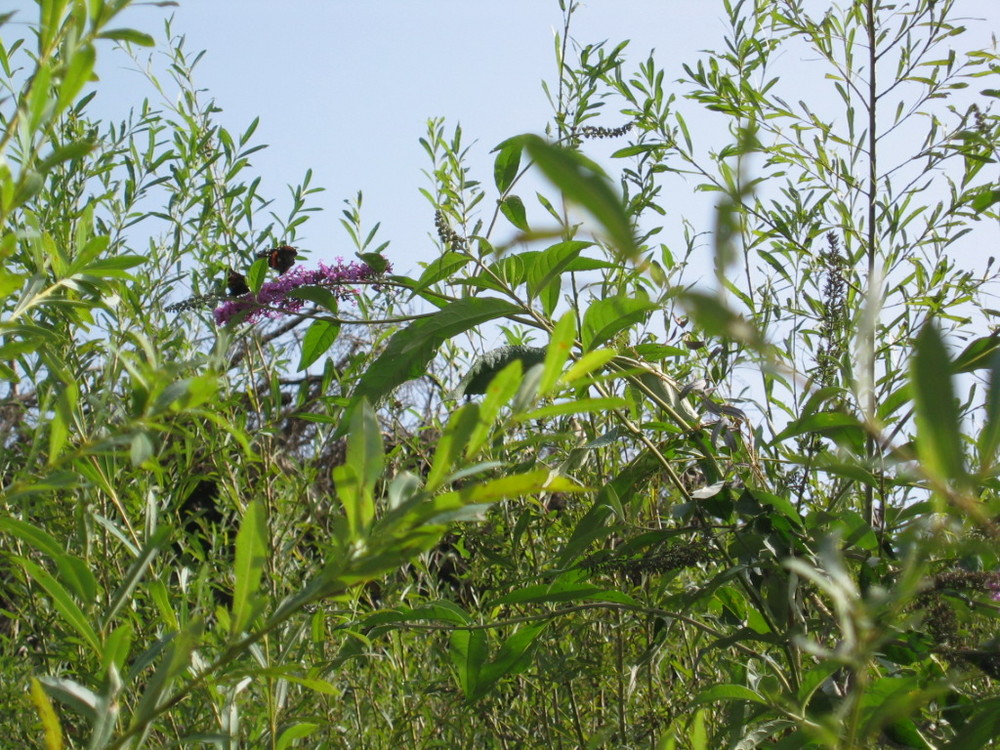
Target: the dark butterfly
(236, 283)
(280, 258)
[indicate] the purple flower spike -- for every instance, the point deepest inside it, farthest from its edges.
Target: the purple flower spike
(272, 301)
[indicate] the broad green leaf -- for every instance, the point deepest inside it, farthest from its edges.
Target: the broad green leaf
(81, 699)
(411, 349)
(512, 658)
(507, 163)
(63, 603)
(583, 182)
(441, 268)
(844, 429)
(318, 339)
(321, 295)
(251, 556)
(513, 208)
(716, 319)
(468, 652)
(294, 732)
(606, 318)
(550, 263)
(355, 479)
(939, 441)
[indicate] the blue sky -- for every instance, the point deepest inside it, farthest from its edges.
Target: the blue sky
(345, 87)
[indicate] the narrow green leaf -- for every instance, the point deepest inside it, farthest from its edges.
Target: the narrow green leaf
(52, 730)
(251, 556)
(557, 352)
(294, 732)
(128, 35)
(318, 339)
(79, 70)
(939, 441)
(32, 535)
(500, 391)
(452, 444)
(63, 603)
(134, 575)
(585, 183)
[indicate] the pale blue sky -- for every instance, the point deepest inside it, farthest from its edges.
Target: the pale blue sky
(345, 88)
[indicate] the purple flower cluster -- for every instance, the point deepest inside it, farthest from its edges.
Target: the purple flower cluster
(272, 301)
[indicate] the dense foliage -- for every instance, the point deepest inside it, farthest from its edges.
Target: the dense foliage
(686, 504)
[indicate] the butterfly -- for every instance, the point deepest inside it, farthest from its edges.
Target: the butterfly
(236, 283)
(280, 258)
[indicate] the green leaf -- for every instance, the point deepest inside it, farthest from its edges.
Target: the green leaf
(557, 352)
(452, 444)
(513, 658)
(52, 730)
(939, 440)
(513, 208)
(499, 391)
(66, 152)
(468, 653)
(988, 440)
(583, 182)
(411, 349)
(355, 479)
(442, 268)
(294, 732)
(728, 693)
(63, 603)
(608, 317)
(78, 72)
(507, 163)
(375, 261)
(38, 538)
(716, 319)
(844, 429)
(320, 295)
(318, 339)
(128, 35)
(978, 355)
(551, 263)
(134, 575)
(251, 556)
